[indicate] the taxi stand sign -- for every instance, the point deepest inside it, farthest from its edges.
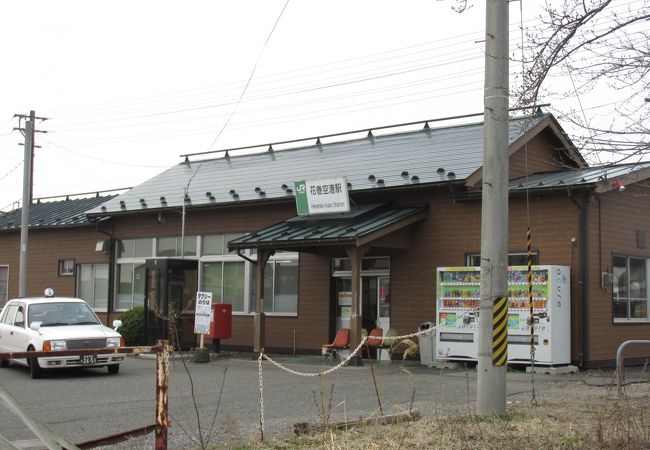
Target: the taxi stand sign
(203, 312)
(324, 196)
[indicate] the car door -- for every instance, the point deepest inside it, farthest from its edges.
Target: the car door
(20, 334)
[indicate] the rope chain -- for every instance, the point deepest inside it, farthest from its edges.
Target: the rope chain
(342, 363)
(259, 363)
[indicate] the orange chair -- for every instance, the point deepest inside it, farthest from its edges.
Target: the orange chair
(377, 333)
(341, 341)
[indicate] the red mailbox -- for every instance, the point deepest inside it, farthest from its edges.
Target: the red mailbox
(221, 325)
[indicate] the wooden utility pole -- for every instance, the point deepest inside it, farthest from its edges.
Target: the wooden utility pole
(492, 351)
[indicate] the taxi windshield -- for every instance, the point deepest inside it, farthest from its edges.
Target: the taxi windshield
(54, 314)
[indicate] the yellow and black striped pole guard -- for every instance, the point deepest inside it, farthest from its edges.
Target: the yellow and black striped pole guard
(500, 331)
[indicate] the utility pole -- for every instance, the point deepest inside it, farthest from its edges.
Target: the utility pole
(28, 162)
(492, 343)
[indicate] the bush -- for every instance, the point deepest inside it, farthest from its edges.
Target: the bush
(132, 329)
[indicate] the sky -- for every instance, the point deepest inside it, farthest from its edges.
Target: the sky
(128, 86)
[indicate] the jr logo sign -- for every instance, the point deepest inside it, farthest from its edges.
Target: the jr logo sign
(322, 196)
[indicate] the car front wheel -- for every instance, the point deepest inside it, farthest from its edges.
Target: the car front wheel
(34, 369)
(4, 363)
(113, 369)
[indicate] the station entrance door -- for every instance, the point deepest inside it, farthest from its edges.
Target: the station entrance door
(171, 285)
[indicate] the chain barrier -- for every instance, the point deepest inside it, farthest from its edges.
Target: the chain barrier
(346, 360)
(259, 363)
(321, 373)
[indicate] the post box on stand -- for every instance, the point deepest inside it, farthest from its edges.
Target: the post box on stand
(221, 325)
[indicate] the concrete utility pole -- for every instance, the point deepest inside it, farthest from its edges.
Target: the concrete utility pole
(491, 376)
(28, 172)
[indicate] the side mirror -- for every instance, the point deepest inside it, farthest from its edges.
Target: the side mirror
(117, 324)
(35, 326)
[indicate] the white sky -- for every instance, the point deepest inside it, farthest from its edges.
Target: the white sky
(128, 86)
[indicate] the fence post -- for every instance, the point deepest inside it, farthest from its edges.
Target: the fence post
(162, 384)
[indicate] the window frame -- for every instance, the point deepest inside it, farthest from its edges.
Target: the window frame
(629, 298)
(93, 267)
(249, 272)
(66, 267)
(534, 257)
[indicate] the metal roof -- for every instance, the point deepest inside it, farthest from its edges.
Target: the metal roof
(53, 214)
(429, 155)
(339, 230)
(589, 176)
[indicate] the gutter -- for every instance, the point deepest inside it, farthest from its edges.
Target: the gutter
(583, 250)
(111, 271)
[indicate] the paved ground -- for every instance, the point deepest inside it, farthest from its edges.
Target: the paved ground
(350, 392)
(232, 382)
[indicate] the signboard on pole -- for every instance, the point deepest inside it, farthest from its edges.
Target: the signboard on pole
(324, 196)
(203, 312)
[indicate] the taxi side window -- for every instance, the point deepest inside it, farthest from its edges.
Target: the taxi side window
(19, 321)
(10, 314)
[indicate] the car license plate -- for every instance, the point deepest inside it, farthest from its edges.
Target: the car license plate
(88, 359)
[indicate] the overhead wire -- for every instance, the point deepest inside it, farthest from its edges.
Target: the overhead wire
(251, 75)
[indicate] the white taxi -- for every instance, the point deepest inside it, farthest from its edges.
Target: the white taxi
(57, 323)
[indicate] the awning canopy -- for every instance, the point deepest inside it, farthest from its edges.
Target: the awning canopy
(361, 226)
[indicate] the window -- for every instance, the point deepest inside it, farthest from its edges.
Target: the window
(280, 287)
(171, 246)
(226, 281)
(629, 288)
(369, 265)
(130, 272)
(9, 315)
(514, 259)
(130, 286)
(232, 280)
(4, 285)
(19, 321)
(92, 285)
(135, 248)
(66, 267)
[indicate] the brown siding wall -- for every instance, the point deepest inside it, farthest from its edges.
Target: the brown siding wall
(46, 248)
(540, 156)
(453, 229)
(615, 218)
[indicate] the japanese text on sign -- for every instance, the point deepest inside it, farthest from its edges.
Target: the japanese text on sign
(203, 312)
(322, 196)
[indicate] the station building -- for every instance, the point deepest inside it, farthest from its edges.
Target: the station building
(227, 223)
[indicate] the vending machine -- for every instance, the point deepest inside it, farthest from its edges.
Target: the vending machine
(458, 322)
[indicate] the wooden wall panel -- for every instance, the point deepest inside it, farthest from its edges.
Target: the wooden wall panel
(615, 218)
(45, 248)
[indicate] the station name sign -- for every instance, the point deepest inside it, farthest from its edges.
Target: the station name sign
(324, 196)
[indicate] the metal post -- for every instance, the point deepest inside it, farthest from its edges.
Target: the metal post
(491, 378)
(620, 368)
(162, 388)
(27, 201)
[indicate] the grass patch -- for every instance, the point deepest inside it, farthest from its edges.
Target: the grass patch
(588, 423)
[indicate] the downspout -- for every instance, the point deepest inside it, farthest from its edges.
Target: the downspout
(111, 272)
(583, 249)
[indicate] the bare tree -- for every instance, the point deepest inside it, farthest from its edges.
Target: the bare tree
(589, 47)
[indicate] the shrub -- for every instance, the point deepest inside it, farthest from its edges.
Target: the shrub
(132, 329)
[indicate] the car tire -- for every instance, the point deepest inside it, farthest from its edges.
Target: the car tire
(34, 369)
(113, 369)
(4, 363)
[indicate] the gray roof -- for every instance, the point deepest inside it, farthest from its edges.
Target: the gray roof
(69, 212)
(348, 228)
(425, 156)
(589, 176)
